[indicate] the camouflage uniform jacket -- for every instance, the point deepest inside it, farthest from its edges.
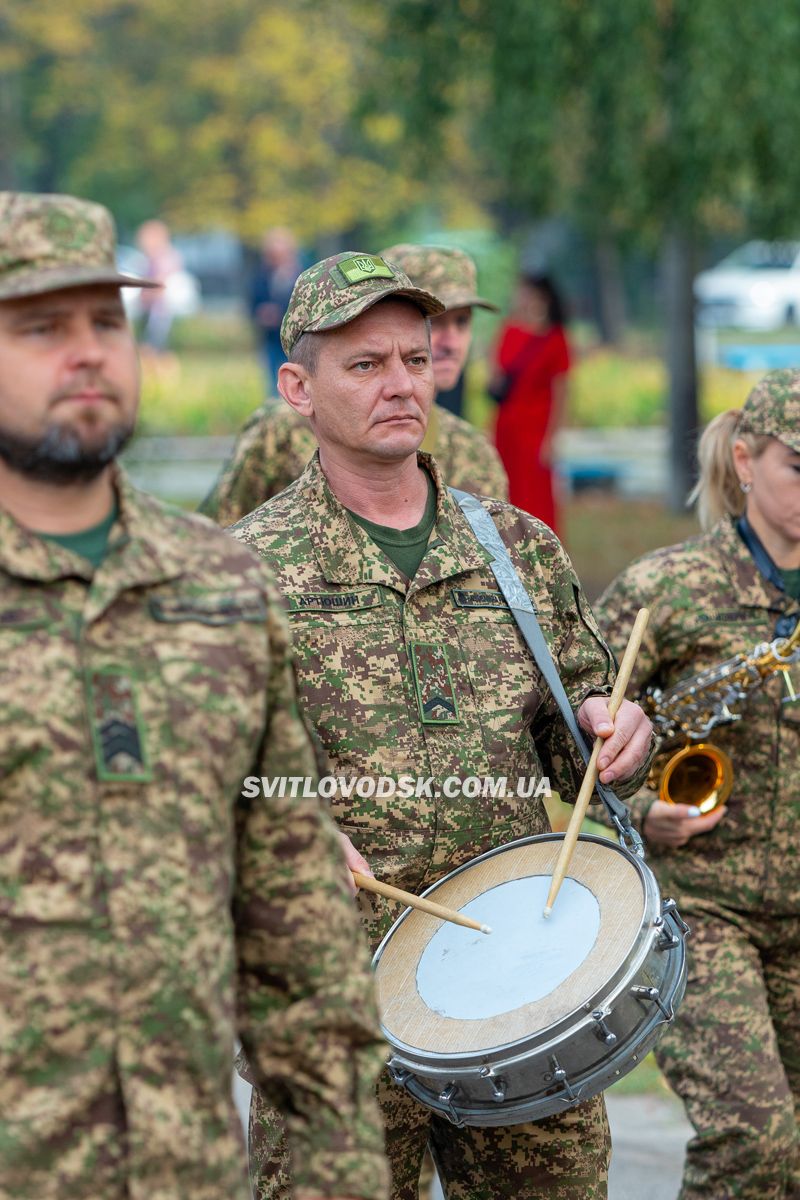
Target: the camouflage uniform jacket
(429, 678)
(149, 913)
(276, 444)
(708, 602)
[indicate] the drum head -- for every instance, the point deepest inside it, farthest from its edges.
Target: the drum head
(448, 990)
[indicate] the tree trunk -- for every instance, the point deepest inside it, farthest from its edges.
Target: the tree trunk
(611, 314)
(678, 266)
(9, 129)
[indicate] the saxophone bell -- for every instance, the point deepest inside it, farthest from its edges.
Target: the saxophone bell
(699, 773)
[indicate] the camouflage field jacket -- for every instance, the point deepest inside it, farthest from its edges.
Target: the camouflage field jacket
(429, 680)
(148, 912)
(708, 602)
(276, 445)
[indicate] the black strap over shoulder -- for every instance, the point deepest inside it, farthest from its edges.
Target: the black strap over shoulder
(786, 622)
(524, 613)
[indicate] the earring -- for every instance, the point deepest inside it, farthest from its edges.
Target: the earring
(745, 486)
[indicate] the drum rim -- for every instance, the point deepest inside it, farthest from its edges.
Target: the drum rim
(639, 953)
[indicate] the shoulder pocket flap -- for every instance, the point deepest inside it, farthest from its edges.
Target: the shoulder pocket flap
(210, 608)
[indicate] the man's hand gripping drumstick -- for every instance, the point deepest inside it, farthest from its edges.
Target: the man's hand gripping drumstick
(602, 759)
(363, 878)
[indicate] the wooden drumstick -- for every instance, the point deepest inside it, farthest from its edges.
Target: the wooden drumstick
(590, 778)
(435, 910)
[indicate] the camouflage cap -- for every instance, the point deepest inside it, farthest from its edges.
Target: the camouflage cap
(49, 242)
(449, 273)
(773, 408)
(340, 288)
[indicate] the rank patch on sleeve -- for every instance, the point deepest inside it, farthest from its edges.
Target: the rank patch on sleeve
(435, 695)
(117, 730)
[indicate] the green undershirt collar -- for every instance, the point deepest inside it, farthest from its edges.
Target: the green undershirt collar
(404, 547)
(89, 543)
(791, 583)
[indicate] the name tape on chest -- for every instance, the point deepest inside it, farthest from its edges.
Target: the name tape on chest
(335, 601)
(473, 598)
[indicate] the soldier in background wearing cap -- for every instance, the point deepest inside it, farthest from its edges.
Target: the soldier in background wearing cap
(276, 444)
(733, 1053)
(409, 663)
(150, 908)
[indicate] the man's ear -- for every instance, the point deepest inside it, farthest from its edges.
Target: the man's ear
(292, 385)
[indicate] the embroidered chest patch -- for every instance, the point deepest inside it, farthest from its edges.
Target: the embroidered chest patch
(117, 730)
(435, 695)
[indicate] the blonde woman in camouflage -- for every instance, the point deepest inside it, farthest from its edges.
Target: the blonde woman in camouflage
(733, 1054)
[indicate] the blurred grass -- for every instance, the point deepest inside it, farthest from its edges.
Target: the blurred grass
(604, 533)
(199, 394)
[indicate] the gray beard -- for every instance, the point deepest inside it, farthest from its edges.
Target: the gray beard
(60, 456)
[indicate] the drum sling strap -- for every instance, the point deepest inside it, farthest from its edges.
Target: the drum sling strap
(523, 611)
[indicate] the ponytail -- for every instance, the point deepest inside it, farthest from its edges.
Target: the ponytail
(717, 491)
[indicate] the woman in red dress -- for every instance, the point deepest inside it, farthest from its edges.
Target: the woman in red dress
(532, 350)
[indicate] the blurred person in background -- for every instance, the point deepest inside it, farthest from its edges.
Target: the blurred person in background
(733, 1052)
(273, 280)
(151, 907)
(159, 307)
(277, 443)
(531, 363)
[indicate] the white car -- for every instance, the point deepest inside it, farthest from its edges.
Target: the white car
(755, 287)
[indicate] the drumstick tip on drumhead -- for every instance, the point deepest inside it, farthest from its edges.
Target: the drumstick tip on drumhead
(547, 910)
(486, 929)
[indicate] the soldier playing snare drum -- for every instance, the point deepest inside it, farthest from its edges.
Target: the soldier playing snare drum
(409, 662)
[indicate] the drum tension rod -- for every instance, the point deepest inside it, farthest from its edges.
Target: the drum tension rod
(602, 1031)
(559, 1075)
(670, 906)
(399, 1074)
(652, 993)
(499, 1085)
(668, 941)
(446, 1098)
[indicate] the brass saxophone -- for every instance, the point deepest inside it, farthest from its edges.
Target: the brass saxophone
(688, 769)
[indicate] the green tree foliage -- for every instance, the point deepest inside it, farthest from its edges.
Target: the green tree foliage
(659, 121)
(230, 112)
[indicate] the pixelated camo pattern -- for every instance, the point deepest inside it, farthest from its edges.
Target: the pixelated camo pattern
(342, 287)
(773, 407)
(733, 1054)
(358, 689)
(357, 686)
(446, 271)
(149, 914)
(49, 241)
(276, 445)
(707, 603)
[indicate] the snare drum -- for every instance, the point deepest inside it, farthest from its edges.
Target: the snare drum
(541, 1014)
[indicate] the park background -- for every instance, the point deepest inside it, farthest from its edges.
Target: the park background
(622, 144)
